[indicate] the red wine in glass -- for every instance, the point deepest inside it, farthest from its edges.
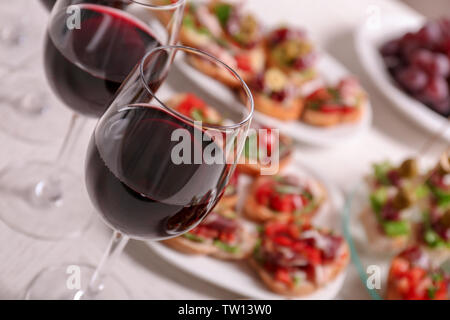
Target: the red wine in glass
(85, 66)
(135, 185)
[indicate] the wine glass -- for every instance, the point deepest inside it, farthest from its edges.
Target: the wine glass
(90, 48)
(134, 174)
(24, 98)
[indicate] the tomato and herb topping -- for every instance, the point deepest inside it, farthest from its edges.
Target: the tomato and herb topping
(388, 210)
(219, 229)
(285, 194)
(197, 109)
(435, 228)
(274, 84)
(343, 98)
(293, 253)
(439, 184)
(414, 278)
(243, 28)
(291, 48)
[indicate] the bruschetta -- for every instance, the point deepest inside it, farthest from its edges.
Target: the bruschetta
(221, 235)
(290, 50)
(413, 276)
(276, 95)
(330, 106)
(284, 198)
(207, 27)
(295, 260)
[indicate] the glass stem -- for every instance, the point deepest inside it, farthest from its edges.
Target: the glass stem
(49, 190)
(115, 248)
(76, 125)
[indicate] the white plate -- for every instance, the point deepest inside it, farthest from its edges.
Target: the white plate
(331, 71)
(368, 39)
(238, 277)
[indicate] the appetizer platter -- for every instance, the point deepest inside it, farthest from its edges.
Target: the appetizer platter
(408, 59)
(283, 69)
(237, 247)
(398, 217)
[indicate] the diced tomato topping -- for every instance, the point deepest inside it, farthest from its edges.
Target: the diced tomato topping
(190, 103)
(206, 232)
(283, 275)
(415, 274)
(226, 237)
(263, 194)
(283, 202)
(442, 293)
(320, 94)
(283, 241)
(271, 229)
(244, 62)
(313, 255)
(399, 267)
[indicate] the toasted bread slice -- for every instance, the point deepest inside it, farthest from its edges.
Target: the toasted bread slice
(331, 271)
(290, 110)
(246, 242)
(254, 169)
(323, 119)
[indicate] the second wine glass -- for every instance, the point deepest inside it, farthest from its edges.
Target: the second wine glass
(91, 46)
(154, 171)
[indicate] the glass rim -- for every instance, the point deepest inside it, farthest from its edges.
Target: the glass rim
(200, 52)
(160, 6)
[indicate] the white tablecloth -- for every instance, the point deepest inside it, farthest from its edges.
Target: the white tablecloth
(331, 23)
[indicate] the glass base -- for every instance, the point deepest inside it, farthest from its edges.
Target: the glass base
(69, 282)
(35, 204)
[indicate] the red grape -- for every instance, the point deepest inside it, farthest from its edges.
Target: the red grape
(436, 90)
(432, 63)
(412, 78)
(430, 34)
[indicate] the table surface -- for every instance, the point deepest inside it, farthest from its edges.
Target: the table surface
(149, 277)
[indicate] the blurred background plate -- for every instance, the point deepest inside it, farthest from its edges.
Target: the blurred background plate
(332, 71)
(368, 38)
(239, 277)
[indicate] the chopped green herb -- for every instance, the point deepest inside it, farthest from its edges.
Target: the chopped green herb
(378, 198)
(396, 228)
(422, 191)
(381, 170)
(192, 237)
(431, 292)
(188, 21)
(226, 247)
(197, 115)
(223, 12)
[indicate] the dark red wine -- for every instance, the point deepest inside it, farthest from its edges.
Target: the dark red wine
(86, 66)
(134, 183)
